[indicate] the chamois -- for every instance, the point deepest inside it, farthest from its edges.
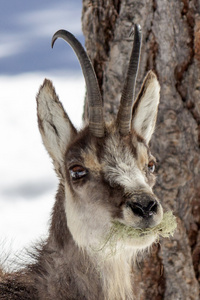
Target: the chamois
(105, 209)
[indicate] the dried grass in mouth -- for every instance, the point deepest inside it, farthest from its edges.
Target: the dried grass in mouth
(120, 232)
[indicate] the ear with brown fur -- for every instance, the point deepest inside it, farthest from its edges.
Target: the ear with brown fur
(146, 107)
(54, 124)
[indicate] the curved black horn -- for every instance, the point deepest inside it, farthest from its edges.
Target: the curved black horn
(125, 109)
(96, 123)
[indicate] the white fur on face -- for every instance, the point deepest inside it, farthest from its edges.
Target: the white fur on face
(87, 221)
(121, 168)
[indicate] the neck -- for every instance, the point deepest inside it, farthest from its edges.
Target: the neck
(88, 276)
(116, 276)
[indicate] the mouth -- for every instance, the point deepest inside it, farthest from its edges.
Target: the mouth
(120, 232)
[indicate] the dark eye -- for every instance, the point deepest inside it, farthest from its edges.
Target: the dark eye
(151, 166)
(77, 172)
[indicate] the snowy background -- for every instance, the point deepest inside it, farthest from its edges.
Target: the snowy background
(27, 181)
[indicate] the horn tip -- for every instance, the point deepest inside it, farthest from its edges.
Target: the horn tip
(56, 35)
(53, 41)
(136, 28)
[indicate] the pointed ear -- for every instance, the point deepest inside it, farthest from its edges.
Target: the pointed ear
(146, 107)
(54, 124)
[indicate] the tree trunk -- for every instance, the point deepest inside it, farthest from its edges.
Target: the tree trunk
(171, 47)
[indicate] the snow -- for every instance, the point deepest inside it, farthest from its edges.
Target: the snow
(28, 182)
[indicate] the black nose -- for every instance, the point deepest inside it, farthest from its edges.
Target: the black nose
(145, 209)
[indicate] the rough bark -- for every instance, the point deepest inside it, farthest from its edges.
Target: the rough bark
(171, 47)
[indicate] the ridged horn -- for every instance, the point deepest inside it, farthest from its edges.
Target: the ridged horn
(96, 123)
(126, 103)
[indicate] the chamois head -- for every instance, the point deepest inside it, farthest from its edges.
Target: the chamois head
(106, 169)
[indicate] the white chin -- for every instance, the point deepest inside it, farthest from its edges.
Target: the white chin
(140, 243)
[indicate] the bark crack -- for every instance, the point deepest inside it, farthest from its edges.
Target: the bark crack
(188, 14)
(153, 45)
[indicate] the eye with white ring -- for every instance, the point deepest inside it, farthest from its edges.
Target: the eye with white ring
(77, 172)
